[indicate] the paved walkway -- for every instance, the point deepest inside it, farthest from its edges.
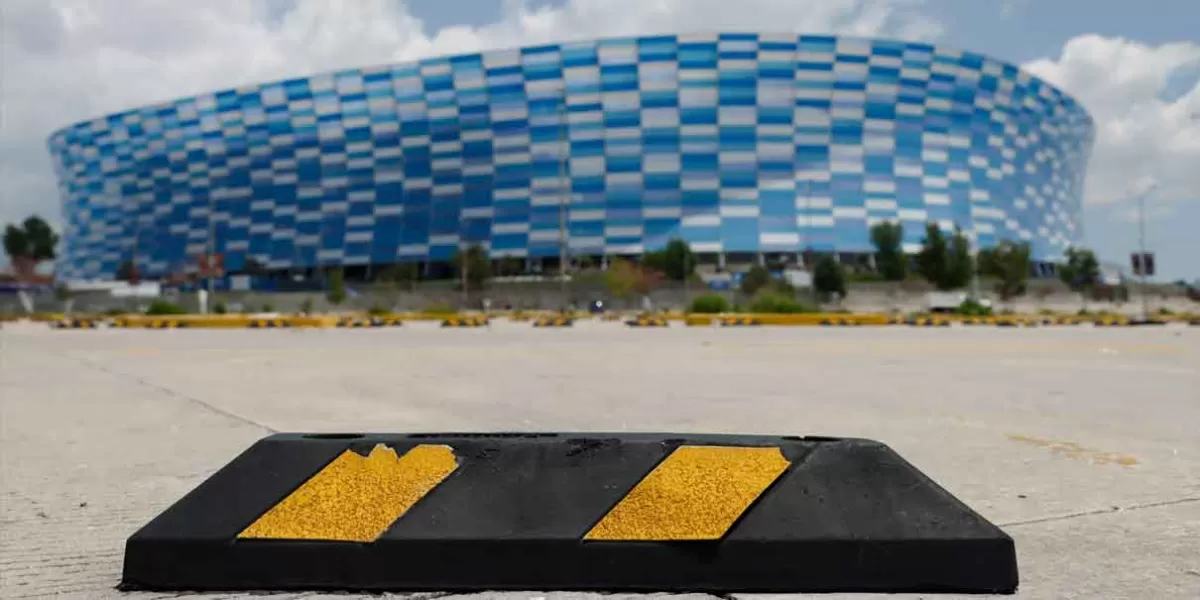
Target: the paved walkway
(1082, 443)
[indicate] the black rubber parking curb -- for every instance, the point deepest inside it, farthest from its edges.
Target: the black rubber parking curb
(553, 322)
(559, 511)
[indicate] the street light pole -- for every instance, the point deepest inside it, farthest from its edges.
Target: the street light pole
(212, 251)
(1142, 250)
(462, 268)
(805, 241)
(564, 196)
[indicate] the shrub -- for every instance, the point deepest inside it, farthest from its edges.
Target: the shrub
(754, 280)
(162, 307)
(219, 308)
(972, 308)
(115, 312)
(306, 307)
(771, 302)
(440, 308)
(710, 304)
(782, 286)
(336, 292)
(267, 308)
(829, 279)
(378, 311)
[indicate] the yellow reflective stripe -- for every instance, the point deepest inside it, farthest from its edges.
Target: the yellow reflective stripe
(356, 498)
(697, 493)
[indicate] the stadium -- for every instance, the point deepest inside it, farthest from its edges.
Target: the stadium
(750, 147)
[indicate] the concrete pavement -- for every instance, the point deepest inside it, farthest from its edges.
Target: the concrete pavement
(1082, 443)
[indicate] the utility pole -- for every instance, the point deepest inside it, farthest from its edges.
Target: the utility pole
(805, 242)
(564, 186)
(976, 290)
(462, 268)
(1142, 249)
(209, 263)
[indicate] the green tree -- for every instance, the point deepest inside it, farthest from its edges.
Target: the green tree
(16, 242)
(479, 265)
(829, 278)
(755, 279)
(888, 238)
(1009, 263)
(30, 243)
(676, 261)
(1081, 272)
(945, 263)
(42, 239)
(960, 265)
(931, 259)
(335, 290)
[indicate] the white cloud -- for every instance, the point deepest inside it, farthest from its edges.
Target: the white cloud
(68, 60)
(1009, 7)
(1141, 138)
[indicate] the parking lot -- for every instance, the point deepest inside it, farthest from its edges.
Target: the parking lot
(1080, 442)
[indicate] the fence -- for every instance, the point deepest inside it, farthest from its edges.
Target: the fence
(862, 297)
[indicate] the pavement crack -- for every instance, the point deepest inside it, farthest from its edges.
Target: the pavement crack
(1101, 511)
(169, 392)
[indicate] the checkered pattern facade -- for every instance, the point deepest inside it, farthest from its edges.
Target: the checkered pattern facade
(733, 142)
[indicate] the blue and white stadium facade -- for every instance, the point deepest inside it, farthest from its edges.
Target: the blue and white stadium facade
(747, 145)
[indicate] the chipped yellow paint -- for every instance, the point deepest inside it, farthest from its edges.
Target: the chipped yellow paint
(1075, 451)
(695, 494)
(356, 498)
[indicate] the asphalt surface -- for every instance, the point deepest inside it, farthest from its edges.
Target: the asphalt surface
(1082, 443)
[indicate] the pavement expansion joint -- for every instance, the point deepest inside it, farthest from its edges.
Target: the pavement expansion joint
(1100, 511)
(141, 381)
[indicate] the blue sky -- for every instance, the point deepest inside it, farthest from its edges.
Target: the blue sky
(1136, 65)
(1027, 30)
